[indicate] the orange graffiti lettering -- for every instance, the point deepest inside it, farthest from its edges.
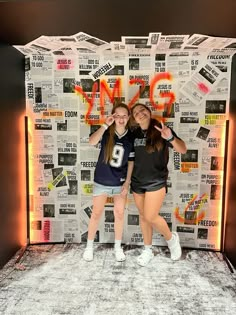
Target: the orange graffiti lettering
(105, 89)
(116, 92)
(136, 96)
(90, 101)
(155, 80)
(197, 207)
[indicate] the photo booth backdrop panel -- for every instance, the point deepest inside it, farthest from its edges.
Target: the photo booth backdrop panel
(71, 88)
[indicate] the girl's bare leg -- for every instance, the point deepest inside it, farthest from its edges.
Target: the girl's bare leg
(146, 227)
(98, 207)
(119, 207)
(152, 205)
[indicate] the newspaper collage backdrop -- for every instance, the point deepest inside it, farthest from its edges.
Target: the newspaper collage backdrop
(71, 84)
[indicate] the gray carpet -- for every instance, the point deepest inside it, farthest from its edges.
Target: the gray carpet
(53, 279)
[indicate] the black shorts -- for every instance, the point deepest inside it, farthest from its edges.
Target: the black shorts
(142, 188)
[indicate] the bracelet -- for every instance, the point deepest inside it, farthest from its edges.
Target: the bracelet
(171, 138)
(105, 126)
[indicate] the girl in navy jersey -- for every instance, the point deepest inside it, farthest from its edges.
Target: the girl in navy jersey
(112, 174)
(152, 141)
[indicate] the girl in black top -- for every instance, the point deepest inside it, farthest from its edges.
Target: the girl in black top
(152, 141)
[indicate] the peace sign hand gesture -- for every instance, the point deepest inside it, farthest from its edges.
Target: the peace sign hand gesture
(109, 120)
(165, 131)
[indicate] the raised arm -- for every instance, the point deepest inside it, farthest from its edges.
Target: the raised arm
(178, 144)
(97, 135)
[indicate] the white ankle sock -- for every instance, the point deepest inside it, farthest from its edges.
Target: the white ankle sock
(89, 243)
(148, 247)
(171, 240)
(117, 243)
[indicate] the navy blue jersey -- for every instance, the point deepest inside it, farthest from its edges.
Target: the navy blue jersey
(114, 172)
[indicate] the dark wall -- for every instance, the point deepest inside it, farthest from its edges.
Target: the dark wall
(230, 228)
(23, 21)
(12, 157)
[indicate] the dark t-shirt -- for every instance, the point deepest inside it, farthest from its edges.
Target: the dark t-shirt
(115, 172)
(149, 168)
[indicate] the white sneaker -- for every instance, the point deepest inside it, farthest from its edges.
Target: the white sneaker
(174, 247)
(120, 256)
(88, 254)
(145, 257)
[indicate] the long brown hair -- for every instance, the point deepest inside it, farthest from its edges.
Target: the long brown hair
(154, 140)
(111, 133)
